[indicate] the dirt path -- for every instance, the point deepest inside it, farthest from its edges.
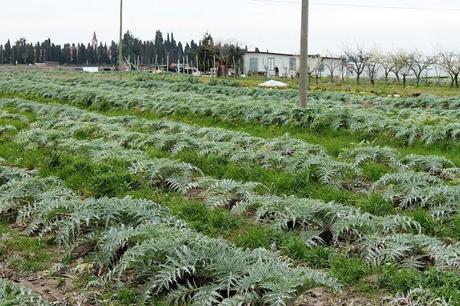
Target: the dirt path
(321, 297)
(57, 290)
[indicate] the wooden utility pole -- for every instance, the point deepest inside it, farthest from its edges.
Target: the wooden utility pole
(120, 44)
(303, 86)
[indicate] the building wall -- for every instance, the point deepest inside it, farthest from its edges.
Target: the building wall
(288, 65)
(255, 63)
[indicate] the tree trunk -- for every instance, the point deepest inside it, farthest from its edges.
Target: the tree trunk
(332, 77)
(404, 81)
(418, 76)
(358, 76)
(386, 77)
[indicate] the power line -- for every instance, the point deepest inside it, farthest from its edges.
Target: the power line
(332, 4)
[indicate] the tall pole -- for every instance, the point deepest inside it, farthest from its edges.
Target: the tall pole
(303, 86)
(120, 43)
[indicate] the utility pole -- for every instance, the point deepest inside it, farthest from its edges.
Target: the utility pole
(303, 86)
(120, 44)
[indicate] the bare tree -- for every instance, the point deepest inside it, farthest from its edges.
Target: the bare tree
(314, 66)
(387, 63)
(332, 64)
(420, 63)
(398, 62)
(356, 61)
(437, 69)
(374, 58)
(450, 62)
(405, 62)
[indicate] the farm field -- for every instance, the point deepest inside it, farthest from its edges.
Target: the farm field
(162, 190)
(431, 86)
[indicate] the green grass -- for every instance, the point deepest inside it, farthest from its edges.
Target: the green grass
(445, 284)
(364, 88)
(24, 254)
(349, 85)
(92, 179)
(334, 141)
(299, 184)
(81, 174)
(113, 183)
(435, 227)
(110, 178)
(348, 270)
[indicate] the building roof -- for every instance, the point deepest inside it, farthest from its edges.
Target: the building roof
(94, 40)
(271, 53)
(332, 58)
(280, 54)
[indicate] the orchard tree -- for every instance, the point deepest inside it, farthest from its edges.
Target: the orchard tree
(387, 64)
(357, 60)
(404, 61)
(332, 64)
(315, 65)
(374, 58)
(420, 63)
(399, 62)
(450, 63)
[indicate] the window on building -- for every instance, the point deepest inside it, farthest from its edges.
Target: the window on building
(253, 64)
(271, 63)
(292, 64)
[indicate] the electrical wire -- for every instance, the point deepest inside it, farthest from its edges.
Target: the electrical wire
(332, 4)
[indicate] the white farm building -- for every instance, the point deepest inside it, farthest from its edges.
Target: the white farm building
(282, 64)
(271, 64)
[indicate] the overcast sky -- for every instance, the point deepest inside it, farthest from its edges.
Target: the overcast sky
(267, 25)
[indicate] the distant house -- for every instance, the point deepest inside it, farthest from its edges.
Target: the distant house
(270, 64)
(282, 64)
